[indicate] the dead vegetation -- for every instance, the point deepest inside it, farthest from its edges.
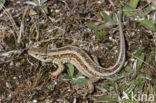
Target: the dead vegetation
(56, 23)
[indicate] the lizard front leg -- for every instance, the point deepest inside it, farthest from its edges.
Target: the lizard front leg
(59, 69)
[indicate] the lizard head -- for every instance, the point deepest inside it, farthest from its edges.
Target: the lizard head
(40, 54)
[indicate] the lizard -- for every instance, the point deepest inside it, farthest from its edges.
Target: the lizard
(81, 60)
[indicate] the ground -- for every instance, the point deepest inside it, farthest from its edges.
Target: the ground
(88, 24)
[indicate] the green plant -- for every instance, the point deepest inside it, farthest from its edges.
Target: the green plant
(100, 29)
(2, 2)
(39, 3)
(130, 9)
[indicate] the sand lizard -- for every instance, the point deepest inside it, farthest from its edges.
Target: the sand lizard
(81, 60)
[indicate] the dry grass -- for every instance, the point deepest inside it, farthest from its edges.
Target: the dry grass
(24, 79)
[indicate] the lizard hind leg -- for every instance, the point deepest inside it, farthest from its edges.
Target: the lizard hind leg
(91, 81)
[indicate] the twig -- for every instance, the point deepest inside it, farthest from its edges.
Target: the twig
(11, 20)
(110, 1)
(22, 27)
(37, 30)
(143, 61)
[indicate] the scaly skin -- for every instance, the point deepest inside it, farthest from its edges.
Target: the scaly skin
(81, 60)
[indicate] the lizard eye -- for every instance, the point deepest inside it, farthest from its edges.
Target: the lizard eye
(45, 58)
(36, 55)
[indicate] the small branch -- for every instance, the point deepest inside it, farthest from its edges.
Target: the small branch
(21, 27)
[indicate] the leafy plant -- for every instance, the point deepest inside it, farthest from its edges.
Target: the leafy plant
(101, 33)
(139, 53)
(70, 69)
(2, 2)
(39, 3)
(150, 57)
(148, 24)
(106, 99)
(100, 29)
(81, 81)
(51, 87)
(134, 3)
(130, 9)
(106, 17)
